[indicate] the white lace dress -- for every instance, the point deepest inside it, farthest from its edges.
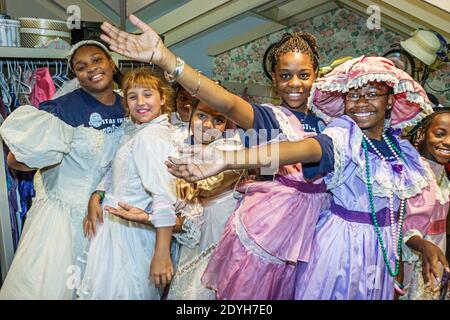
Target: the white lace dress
(47, 262)
(118, 263)
(202, 233)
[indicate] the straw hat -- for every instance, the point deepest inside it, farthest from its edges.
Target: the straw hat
(423, 45)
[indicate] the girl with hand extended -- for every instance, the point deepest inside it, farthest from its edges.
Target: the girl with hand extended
(368, 169)
(71, 139)
(272, 229)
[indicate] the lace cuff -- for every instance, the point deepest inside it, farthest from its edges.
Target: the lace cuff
(191, 228)
(409, 255)
(338, 136)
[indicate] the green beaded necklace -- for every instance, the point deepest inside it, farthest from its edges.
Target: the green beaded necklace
(374, 216)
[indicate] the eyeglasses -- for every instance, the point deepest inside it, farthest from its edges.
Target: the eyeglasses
(354, 96)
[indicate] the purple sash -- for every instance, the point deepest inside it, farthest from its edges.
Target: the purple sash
(302, 186)
(362, 217)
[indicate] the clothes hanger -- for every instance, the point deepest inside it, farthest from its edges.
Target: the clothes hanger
(4, 88)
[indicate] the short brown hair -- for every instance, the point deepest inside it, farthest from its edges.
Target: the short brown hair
(143, 78)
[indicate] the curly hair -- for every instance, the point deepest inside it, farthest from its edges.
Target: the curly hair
(143, 78)
(303, 42)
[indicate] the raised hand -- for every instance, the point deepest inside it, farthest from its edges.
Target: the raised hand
(201, 162)
(144, 47)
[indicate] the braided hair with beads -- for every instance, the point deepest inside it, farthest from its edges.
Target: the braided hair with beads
(303, 42)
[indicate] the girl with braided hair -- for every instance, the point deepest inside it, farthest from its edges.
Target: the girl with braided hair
(272, 228)
(424, 238)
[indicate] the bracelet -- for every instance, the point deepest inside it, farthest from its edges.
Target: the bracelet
(399, 288)
(101, 194)
(194, 94)
(179, 67)
(154, 49)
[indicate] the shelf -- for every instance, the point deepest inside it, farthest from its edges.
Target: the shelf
(42, 53)
(38, 53)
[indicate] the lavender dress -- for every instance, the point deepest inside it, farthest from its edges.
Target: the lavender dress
(270, 231)
(346, 260)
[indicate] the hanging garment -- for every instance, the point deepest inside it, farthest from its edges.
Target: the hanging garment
(13, 204)
(43, 88)
(3, 110)
(26, 191)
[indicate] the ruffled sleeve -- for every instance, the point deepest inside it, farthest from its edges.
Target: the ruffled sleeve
(419, 211)
(150, 150)
(192, 214)
(36, 138)
(340, 131)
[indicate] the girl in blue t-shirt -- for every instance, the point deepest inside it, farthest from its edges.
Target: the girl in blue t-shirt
(70, 141)
(94, 103)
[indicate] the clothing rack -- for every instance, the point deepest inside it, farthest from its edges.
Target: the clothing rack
(6, 239)
(27, 57)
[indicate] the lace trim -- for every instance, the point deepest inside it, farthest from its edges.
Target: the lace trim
(442, 189)
(383, 183)
(415, 290)
(409, 255)
(398, 87)
(191, 264)
(249, 244)
(337, 135)
(285, 125)
(191, 228)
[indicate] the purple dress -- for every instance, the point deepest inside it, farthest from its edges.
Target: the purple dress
(270, 231)
(346, 260)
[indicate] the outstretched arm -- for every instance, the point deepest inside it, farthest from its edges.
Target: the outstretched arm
(204, 162)
(148, 47)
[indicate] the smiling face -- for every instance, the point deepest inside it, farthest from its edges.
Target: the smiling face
(207, 125)
(437, 139)
(93, 68)
(144, 104)
(367, 107)
(293, 79)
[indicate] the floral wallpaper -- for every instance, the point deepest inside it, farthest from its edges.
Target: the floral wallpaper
(339, 32)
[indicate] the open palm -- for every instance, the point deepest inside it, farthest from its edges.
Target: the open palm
(137, 47)
(202, 162)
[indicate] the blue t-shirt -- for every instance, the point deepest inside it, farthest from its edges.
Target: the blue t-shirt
(79, 108)
(265, 119)
(326, 164)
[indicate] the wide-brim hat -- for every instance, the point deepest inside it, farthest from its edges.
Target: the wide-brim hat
(411, 103)
(423, 45)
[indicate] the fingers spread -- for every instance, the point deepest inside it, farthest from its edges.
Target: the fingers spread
(138, 23)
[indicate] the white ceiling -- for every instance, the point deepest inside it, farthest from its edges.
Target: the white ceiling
(180, 20)
(220, 25)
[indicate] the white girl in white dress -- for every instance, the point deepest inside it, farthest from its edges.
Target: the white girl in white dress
(129, 260)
